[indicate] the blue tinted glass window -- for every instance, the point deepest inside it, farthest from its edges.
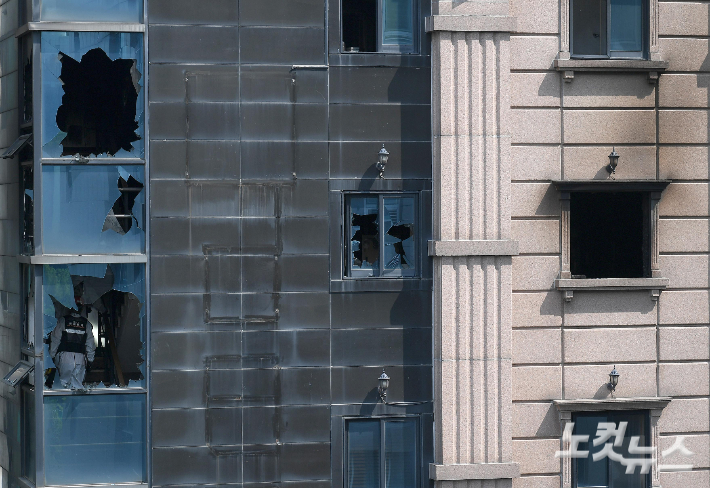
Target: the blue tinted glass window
(364, 234)
(626, 25)
(364, 454)
(400, 453)
(93, 209)
(397, 22)
(92, 94)
(92, 10)
(399, 223)
(112, 300)
(94, 439)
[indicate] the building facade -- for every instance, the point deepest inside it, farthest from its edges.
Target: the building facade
(339, 243)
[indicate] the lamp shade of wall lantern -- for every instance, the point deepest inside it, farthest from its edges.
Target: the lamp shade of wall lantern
(613, 379)
(383, 384)
(382, 158)
(613, 161)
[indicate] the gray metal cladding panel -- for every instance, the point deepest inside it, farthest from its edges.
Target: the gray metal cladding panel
(290, 484)
(284, 160)
(359, 384)
(193, 44)
(195, 350)
(214, 199)
(176, 465)
(305, 272)
(304, 311)
(259, 200)
(305, 198)
(284, 84)
(271, 425)
(212, 83)
(282, 45)
(308, 13)
(284, 121)
(168, 120)
(170, 235)
(178, 427)
(213, 160)
(167, 82)
(273, 463)
(289, 386)
(270, 349)
(380, 122)
(260, 310)
(169, 198)
(357, 159)
(374, 347)
(178, 389)
(176, 312)
(259, 236)
(223, 426)
(210, 121)
(214, 231)
(305, 235)
(168, 159)
(259, 274)
(177, 274)
(224, 386)
(214, 12)
(372, 310)
(350, 84)
(223, 272)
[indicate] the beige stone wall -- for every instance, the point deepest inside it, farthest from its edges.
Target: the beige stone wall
(565, 131)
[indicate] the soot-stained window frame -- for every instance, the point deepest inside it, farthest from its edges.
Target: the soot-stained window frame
(339, 190)
(651, 191)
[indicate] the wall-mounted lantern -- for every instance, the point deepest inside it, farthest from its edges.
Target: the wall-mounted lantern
(383, 384)
(382, 157)
(613, 379)
(613, 161)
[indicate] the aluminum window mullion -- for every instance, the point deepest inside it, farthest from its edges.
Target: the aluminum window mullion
(381, 231)
(383, 477)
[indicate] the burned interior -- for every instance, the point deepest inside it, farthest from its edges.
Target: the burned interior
(93, 327)
(608, 235)
(98, 111)
(360, 25)
(120, 217)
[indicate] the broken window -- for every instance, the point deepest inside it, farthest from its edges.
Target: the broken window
(609, 235)
(27, 78)
(28, 209)
(92, 209)
(92, 11)
(94, 325)
(378, 26)
(91, 439)
(381, 235)
(92, 98)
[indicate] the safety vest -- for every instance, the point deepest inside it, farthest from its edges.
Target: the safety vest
(74, 334)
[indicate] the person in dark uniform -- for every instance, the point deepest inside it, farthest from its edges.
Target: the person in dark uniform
(72, 345)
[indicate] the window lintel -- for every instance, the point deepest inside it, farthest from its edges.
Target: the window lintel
(565, 186)
(594, 405)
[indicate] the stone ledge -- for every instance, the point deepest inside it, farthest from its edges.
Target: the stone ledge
(470, 23)
(569, 285)
(487, 471)
(474, 248)
(569, 66)
(637, 403)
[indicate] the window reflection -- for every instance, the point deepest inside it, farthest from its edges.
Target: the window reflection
(93, 209)
(92, 10)
(94, 325)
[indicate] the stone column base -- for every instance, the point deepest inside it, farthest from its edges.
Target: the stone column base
(474, 472)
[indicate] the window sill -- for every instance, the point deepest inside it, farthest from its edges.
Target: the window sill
(570, 285)
(349, 285)
(569, 66)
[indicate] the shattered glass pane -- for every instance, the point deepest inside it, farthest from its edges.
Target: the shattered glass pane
(399, 220)
(92, 439)
(94, 325)
(93, 209)
(365, 238)
(28, 210)
(92, 10)
(93, 82)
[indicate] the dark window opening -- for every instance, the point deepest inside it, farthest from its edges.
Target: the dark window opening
(27, 91)
(608, 235)
(28, 211)
(360, 25)
(98, 111)
(605, 472)
(609, 28)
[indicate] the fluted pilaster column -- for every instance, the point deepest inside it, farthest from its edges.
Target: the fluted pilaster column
(472, 248)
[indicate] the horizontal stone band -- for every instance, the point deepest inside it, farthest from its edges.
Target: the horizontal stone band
(487, 471)
(470, 23)
(474, 248)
